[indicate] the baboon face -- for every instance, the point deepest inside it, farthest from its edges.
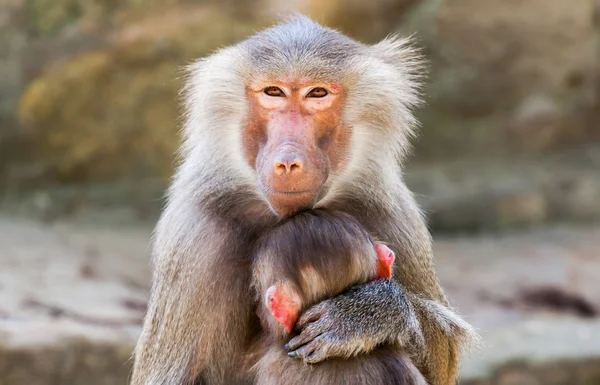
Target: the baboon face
(294, 139)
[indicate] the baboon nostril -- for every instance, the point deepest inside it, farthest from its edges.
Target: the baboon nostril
(280, 168)
(283, 167)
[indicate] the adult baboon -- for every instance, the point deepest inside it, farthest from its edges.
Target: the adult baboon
(295, 117)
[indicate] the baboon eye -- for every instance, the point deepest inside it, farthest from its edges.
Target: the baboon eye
(318, 92)
(274, 91)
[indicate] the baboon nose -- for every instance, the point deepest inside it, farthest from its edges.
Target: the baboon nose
(287, 165)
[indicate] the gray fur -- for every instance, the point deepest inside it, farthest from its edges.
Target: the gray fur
(201, 311)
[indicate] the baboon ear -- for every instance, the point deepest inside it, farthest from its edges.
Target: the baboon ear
(284, 304)
(385, 260)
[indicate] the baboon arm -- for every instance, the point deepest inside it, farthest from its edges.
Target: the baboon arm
(199, 309)
(162, 356)
(446, 335)
(382, 311)
(401, 225)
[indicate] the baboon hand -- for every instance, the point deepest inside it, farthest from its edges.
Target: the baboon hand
(355, 322)
(322, 334)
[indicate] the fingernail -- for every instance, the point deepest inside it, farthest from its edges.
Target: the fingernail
(292, 354)
(286, 346)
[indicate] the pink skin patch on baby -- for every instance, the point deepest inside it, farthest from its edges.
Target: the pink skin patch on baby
(385, 260)
(282, 306)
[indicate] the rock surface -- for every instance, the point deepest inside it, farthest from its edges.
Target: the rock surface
(519, 77)
(72, 296)
(538, 352)
(71, 303)
(367, 21)
(113, 112)
(497, 193)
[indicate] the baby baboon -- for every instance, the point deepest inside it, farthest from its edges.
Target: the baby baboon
(314, 256)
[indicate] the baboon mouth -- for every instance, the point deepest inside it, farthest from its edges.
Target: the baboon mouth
(292, 193)
(287, 203)
(284, 193)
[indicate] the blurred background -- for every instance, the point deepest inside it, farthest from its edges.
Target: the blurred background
(507, 167)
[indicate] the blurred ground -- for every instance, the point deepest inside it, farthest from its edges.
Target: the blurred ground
(72, 297)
